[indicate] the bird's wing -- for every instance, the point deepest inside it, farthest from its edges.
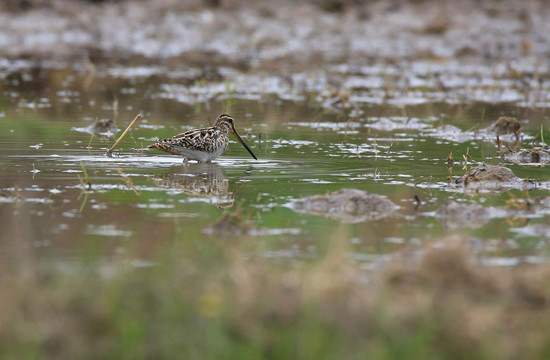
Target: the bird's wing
(197, 139)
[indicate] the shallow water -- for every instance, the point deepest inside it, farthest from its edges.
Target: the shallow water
(307, 143)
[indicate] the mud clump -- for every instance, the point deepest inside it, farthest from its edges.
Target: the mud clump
(346, 205)
(104, 128)
(485, 173)
(530, 156)
(453, 215)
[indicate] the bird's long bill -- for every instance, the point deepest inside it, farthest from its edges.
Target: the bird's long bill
(234, 132)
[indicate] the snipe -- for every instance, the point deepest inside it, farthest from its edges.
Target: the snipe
(203, 145)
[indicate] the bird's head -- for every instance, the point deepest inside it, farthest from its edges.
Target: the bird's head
(227, 122)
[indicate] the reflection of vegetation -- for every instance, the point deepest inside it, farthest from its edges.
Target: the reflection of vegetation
(86, 194)
(87, 183)
(127, 179)
(86, 180)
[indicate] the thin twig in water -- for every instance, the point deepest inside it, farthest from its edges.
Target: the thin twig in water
(110, 151)
(260, 141)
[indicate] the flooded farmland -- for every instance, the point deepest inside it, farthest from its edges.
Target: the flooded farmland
(412, 168)
(307, 144)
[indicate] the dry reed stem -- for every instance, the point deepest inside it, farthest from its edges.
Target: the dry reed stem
(110, 151)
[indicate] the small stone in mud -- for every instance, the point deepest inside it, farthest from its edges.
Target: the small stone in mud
(346, 205)
(505, 125)
(487, 173)
(456, 216)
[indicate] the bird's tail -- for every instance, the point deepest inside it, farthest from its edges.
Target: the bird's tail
(152, 146)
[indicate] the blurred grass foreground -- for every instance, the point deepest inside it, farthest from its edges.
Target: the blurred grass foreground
(227, 301)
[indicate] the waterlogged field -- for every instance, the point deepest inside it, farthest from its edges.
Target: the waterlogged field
(139, 253)
(55, 175)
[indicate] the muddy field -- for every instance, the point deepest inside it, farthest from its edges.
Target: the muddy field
(398, 206)
(275, 38)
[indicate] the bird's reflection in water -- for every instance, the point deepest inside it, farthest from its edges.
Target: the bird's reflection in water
(205, 180)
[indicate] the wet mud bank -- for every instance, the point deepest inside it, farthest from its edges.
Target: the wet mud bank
(271, 36)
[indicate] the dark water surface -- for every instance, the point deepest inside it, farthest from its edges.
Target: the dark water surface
(141, 199)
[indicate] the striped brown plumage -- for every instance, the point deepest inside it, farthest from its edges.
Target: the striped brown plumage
(203, 145)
